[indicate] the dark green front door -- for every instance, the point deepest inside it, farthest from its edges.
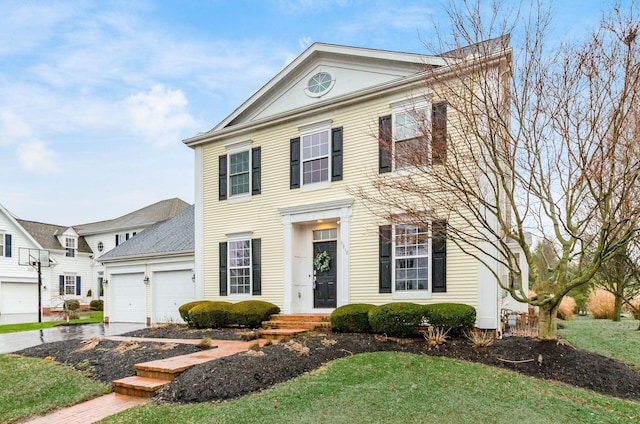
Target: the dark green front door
(324, 292)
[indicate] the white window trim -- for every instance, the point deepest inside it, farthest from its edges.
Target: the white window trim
(402, 107)
(2, 252)
(323, 92)
(309, 129)
(67, 247)
(73, 285)
(411, 294)
(232, 149)
(235, 237)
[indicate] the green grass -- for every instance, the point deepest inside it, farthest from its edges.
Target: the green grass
(388, 387)
(33, 386)
(85, 317)
(618, 340)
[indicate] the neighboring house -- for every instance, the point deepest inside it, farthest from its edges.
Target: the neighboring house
(275, 184)
(151, 275)
(74, 252)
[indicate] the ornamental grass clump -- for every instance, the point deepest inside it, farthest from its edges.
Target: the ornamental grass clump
(566, 308)
(601, 304)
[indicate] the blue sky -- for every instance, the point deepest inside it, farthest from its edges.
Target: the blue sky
(96, 97)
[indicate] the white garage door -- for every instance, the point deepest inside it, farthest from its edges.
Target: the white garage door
(18, 298)
(127, 298)
(170, 289)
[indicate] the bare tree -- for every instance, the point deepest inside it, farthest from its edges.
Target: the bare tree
(538, 142)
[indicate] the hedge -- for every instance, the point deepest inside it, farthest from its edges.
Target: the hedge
(457, 318)
(399, 319)
(184, 310)
(210, 314)
(352, 318)
(96, 305)
(251, 313)
(71, 305)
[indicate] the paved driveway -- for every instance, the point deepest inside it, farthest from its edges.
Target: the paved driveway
(12, 342)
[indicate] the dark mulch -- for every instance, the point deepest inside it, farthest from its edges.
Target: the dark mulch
(245, 373)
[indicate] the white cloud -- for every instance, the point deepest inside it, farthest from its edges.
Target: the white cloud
(35, 156)
(305, 42)
(12, 128)
(160, 116)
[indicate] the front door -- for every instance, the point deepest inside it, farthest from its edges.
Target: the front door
(324, 286)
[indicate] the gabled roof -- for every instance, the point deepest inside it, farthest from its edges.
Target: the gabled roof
(45, 235)
(358, 70)
(174, 236)
(146, 216)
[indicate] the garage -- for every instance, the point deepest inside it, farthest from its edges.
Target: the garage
(127, 298)
(18, 298)
(170, 289)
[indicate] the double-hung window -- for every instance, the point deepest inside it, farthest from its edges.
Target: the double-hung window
(70, 245)
(315, 157)
(409, 136)
(411, 258)
(240, 266)
(69, 284)
(1, 244)
(239, 172)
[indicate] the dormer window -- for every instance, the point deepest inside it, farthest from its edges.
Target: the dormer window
(70, 245)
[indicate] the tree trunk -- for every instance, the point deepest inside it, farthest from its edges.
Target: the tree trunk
(547, 329)
(617, 307)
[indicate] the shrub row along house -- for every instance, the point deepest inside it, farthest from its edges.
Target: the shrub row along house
(282, 183)
(75, 270)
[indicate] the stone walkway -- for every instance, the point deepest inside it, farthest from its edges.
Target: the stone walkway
(107, 405)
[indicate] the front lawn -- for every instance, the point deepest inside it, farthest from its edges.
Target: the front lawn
(388, 387)
(618, 340)
(85, 318)
(34, 386)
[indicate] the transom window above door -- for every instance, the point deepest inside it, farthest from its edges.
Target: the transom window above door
(326, 234)
(315, 157)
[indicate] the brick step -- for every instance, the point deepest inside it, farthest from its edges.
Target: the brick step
(301, 317)
(281, 334)
(308, 325)
(138, 386)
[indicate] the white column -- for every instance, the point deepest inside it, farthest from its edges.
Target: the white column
(288, 264)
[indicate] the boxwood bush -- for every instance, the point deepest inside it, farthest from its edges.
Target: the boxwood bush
(251, 313)
(71, 305)
(457, 318)
(183, 310)
(352, 318)
(210, 314)
(399, 319)
(96, 305)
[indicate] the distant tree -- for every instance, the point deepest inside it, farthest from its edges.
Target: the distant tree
(540, 139)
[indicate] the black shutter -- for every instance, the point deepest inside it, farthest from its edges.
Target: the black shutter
(126, 236)
(294, 163)
(439, 257)
(255, 170)
(223, 269)
(7, 245)
(384, 144)
(385, 259)
(61, 279)
(78, 286)
(256, 270)
(439, 133)
(117, 239)
(222, 177)
(336, 154)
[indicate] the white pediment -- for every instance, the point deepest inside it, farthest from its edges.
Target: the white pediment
(350, 70)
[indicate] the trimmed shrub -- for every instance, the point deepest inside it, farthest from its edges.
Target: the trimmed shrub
(96, 305)
(634, 312)
(89, 293)
(210, 314)
(183, 310)
(456, 318)
(399, 319)
(251, 313)
(71, 305)
(566, 308)
(352, 318)
(601, 304)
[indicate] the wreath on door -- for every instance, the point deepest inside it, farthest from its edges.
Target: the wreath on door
(322, 262)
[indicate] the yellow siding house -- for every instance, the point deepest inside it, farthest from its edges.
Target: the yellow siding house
(278, 216)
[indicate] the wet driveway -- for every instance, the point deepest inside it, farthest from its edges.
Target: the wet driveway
(12, 342)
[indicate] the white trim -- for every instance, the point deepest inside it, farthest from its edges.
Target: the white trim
(314, 127)
(411, 294)
(238, 235)
(199, 222)
(238, 146)
(316, 207)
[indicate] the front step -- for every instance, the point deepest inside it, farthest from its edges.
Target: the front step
(138, 386)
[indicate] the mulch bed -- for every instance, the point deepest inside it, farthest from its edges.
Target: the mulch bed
(245, 373)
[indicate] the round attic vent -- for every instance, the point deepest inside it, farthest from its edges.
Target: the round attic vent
(319, 84)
